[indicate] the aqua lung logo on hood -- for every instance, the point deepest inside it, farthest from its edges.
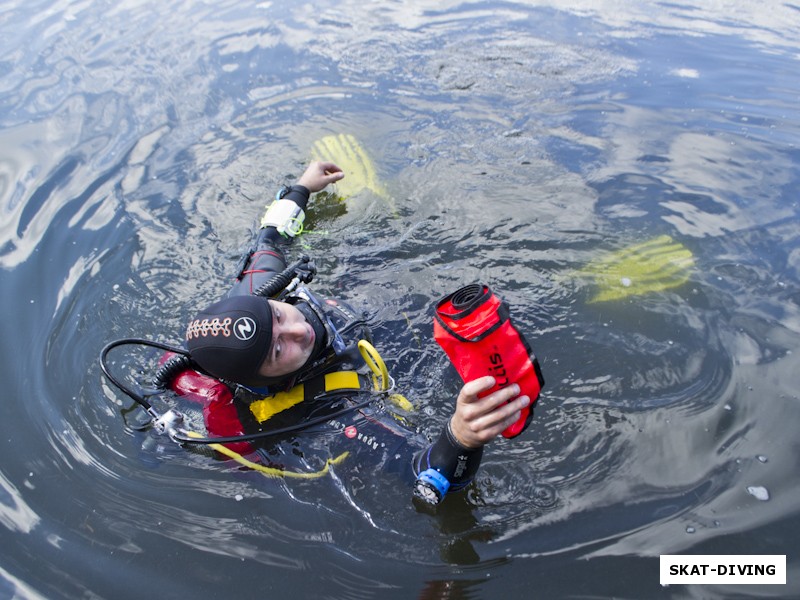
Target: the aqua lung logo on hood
(244, 328)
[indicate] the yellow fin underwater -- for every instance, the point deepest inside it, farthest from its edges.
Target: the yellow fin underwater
(360, 174)
(652, 266)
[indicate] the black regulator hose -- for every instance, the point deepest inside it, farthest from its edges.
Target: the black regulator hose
(139, 398)
(181, 361)
(303, 268)
(260, 435)
(171, 367)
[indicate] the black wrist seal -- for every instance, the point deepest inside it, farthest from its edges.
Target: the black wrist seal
(445, 465)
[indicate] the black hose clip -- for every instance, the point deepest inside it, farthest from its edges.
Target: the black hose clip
(305, 270)
(245, 258)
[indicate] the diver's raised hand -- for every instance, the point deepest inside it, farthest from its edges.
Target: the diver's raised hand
(319, 174)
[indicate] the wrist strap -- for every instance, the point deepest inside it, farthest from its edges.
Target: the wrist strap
(285, 216)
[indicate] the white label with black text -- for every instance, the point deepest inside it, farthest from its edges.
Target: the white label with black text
(723, 568)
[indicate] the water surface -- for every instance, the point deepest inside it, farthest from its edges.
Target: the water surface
(519, 142)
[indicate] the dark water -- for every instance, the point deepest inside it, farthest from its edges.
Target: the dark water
(519, 142)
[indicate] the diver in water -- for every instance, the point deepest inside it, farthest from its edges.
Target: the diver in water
(267, 356)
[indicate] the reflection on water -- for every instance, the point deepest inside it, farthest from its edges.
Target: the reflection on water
(518, 144)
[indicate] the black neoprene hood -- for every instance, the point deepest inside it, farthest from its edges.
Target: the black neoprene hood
(231, 338)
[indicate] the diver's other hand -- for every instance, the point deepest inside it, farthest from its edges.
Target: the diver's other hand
(319, 174)
(478, 421)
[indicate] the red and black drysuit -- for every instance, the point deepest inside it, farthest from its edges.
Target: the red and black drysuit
(379, 438)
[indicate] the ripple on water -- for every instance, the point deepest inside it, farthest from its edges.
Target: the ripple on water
(139, 142)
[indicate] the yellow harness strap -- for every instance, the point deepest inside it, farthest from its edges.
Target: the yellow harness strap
(268, 407)
(338, 380)
(342, 380)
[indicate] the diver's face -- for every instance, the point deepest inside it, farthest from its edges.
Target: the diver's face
(292, 341)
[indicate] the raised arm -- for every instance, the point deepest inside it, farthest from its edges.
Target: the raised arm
(319, 175)
(281, 222)
(451, 462)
